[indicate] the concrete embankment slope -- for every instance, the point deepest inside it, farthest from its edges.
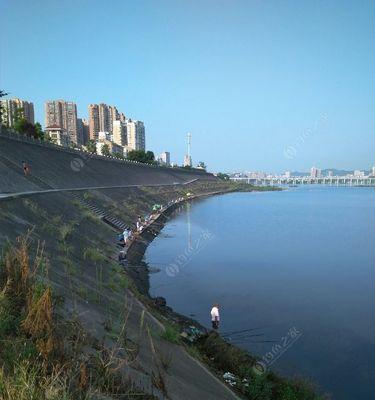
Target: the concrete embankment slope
(83, 272)
(53, 167)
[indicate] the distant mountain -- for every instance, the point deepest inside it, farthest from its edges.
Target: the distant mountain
(297, 173)
(336, 172)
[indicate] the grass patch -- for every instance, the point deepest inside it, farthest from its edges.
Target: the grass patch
(194, 351)
(92, 254)
(68, 264)
(89, 216)
(88, 196)
(65, 248)
(65, 230)
(82, 292)
(171, 334)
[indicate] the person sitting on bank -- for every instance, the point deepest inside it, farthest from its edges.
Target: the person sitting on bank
(215, 317)
(139, 224)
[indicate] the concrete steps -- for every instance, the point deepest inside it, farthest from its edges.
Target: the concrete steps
(106, 217)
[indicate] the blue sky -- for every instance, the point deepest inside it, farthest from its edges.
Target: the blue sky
(261, 85)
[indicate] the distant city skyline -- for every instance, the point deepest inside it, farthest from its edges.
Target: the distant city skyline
(313, 172)
(260, 85)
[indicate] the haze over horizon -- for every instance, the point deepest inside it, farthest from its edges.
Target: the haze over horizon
(267, 86)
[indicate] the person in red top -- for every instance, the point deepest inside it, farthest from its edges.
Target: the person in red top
(26, 168)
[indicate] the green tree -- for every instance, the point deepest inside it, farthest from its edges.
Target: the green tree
(18, 115)
(105, 150)
(141, 156)
(202, 165)
(3, 93)
(91, 146)
(224, 177)
(150, 156)
(24, 127)
(119, 156)
(39, 131)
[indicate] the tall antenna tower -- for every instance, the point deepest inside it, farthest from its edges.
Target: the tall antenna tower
(187, 159)
(189, 144)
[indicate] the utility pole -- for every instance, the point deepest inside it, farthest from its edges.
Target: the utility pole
(189, 144)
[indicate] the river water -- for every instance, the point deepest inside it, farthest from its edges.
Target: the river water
(301, 260)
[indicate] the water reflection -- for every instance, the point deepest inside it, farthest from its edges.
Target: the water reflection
(302, 258)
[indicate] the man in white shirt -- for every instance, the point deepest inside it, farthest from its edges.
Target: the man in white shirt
(215, 316)
(125, 234)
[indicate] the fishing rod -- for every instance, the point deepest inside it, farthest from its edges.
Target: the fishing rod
(244, 339)
(255, 342)
(229, 333)
(242, 336)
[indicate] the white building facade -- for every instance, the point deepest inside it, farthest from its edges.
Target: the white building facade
(165, 158)
(119, 133)
(58, 135)
(136, 137)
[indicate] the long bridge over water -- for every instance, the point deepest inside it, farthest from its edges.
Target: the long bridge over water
(307, 180)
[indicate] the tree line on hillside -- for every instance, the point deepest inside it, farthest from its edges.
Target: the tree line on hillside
(133, 155)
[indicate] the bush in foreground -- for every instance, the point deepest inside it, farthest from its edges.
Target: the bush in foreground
(42, 355)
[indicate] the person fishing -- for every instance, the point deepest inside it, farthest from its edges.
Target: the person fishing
(127, 236)
(215, 317)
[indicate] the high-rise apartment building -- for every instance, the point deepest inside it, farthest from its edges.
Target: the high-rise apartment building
(104, 118)
(119, 133)
(70, 121)
(53, 113)
(114, 115)
(124, 132)
(101, 118)
(83, 131)
(94, 121)
(63, 114)
(11, 109)
(136, 135)
(122, 117)
(315, 172)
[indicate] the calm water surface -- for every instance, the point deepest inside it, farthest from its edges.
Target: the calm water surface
(303, 258)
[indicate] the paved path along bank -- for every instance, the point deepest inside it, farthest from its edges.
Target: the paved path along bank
(80, 189)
